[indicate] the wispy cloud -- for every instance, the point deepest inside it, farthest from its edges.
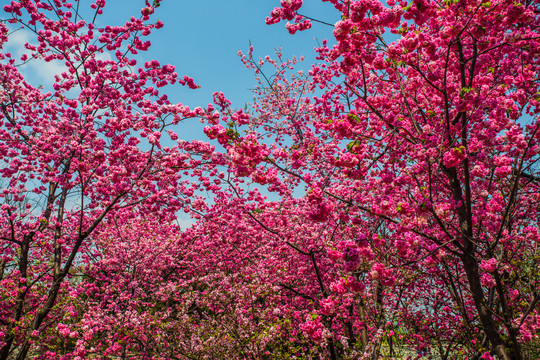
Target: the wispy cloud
(37, 72)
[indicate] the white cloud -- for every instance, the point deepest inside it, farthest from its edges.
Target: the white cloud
(37, 71)
(184, 221)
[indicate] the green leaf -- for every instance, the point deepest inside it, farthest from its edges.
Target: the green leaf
(353, 117)
(464, 91)
(232, 134)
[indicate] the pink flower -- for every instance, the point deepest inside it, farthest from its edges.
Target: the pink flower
(489, 265)
(503, 171)
(487, 280)
(487, 356)
(313, 329)
(454, 157)
(328, 306)
(320, 213)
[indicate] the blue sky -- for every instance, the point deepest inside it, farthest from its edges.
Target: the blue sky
(202, 39)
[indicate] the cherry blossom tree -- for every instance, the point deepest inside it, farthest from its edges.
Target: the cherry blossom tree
(97, 144)
(420, 125)
(368, 299)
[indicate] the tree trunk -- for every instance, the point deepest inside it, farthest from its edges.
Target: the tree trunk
(490, 328)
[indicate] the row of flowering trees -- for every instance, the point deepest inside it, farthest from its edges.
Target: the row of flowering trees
(402, 181)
